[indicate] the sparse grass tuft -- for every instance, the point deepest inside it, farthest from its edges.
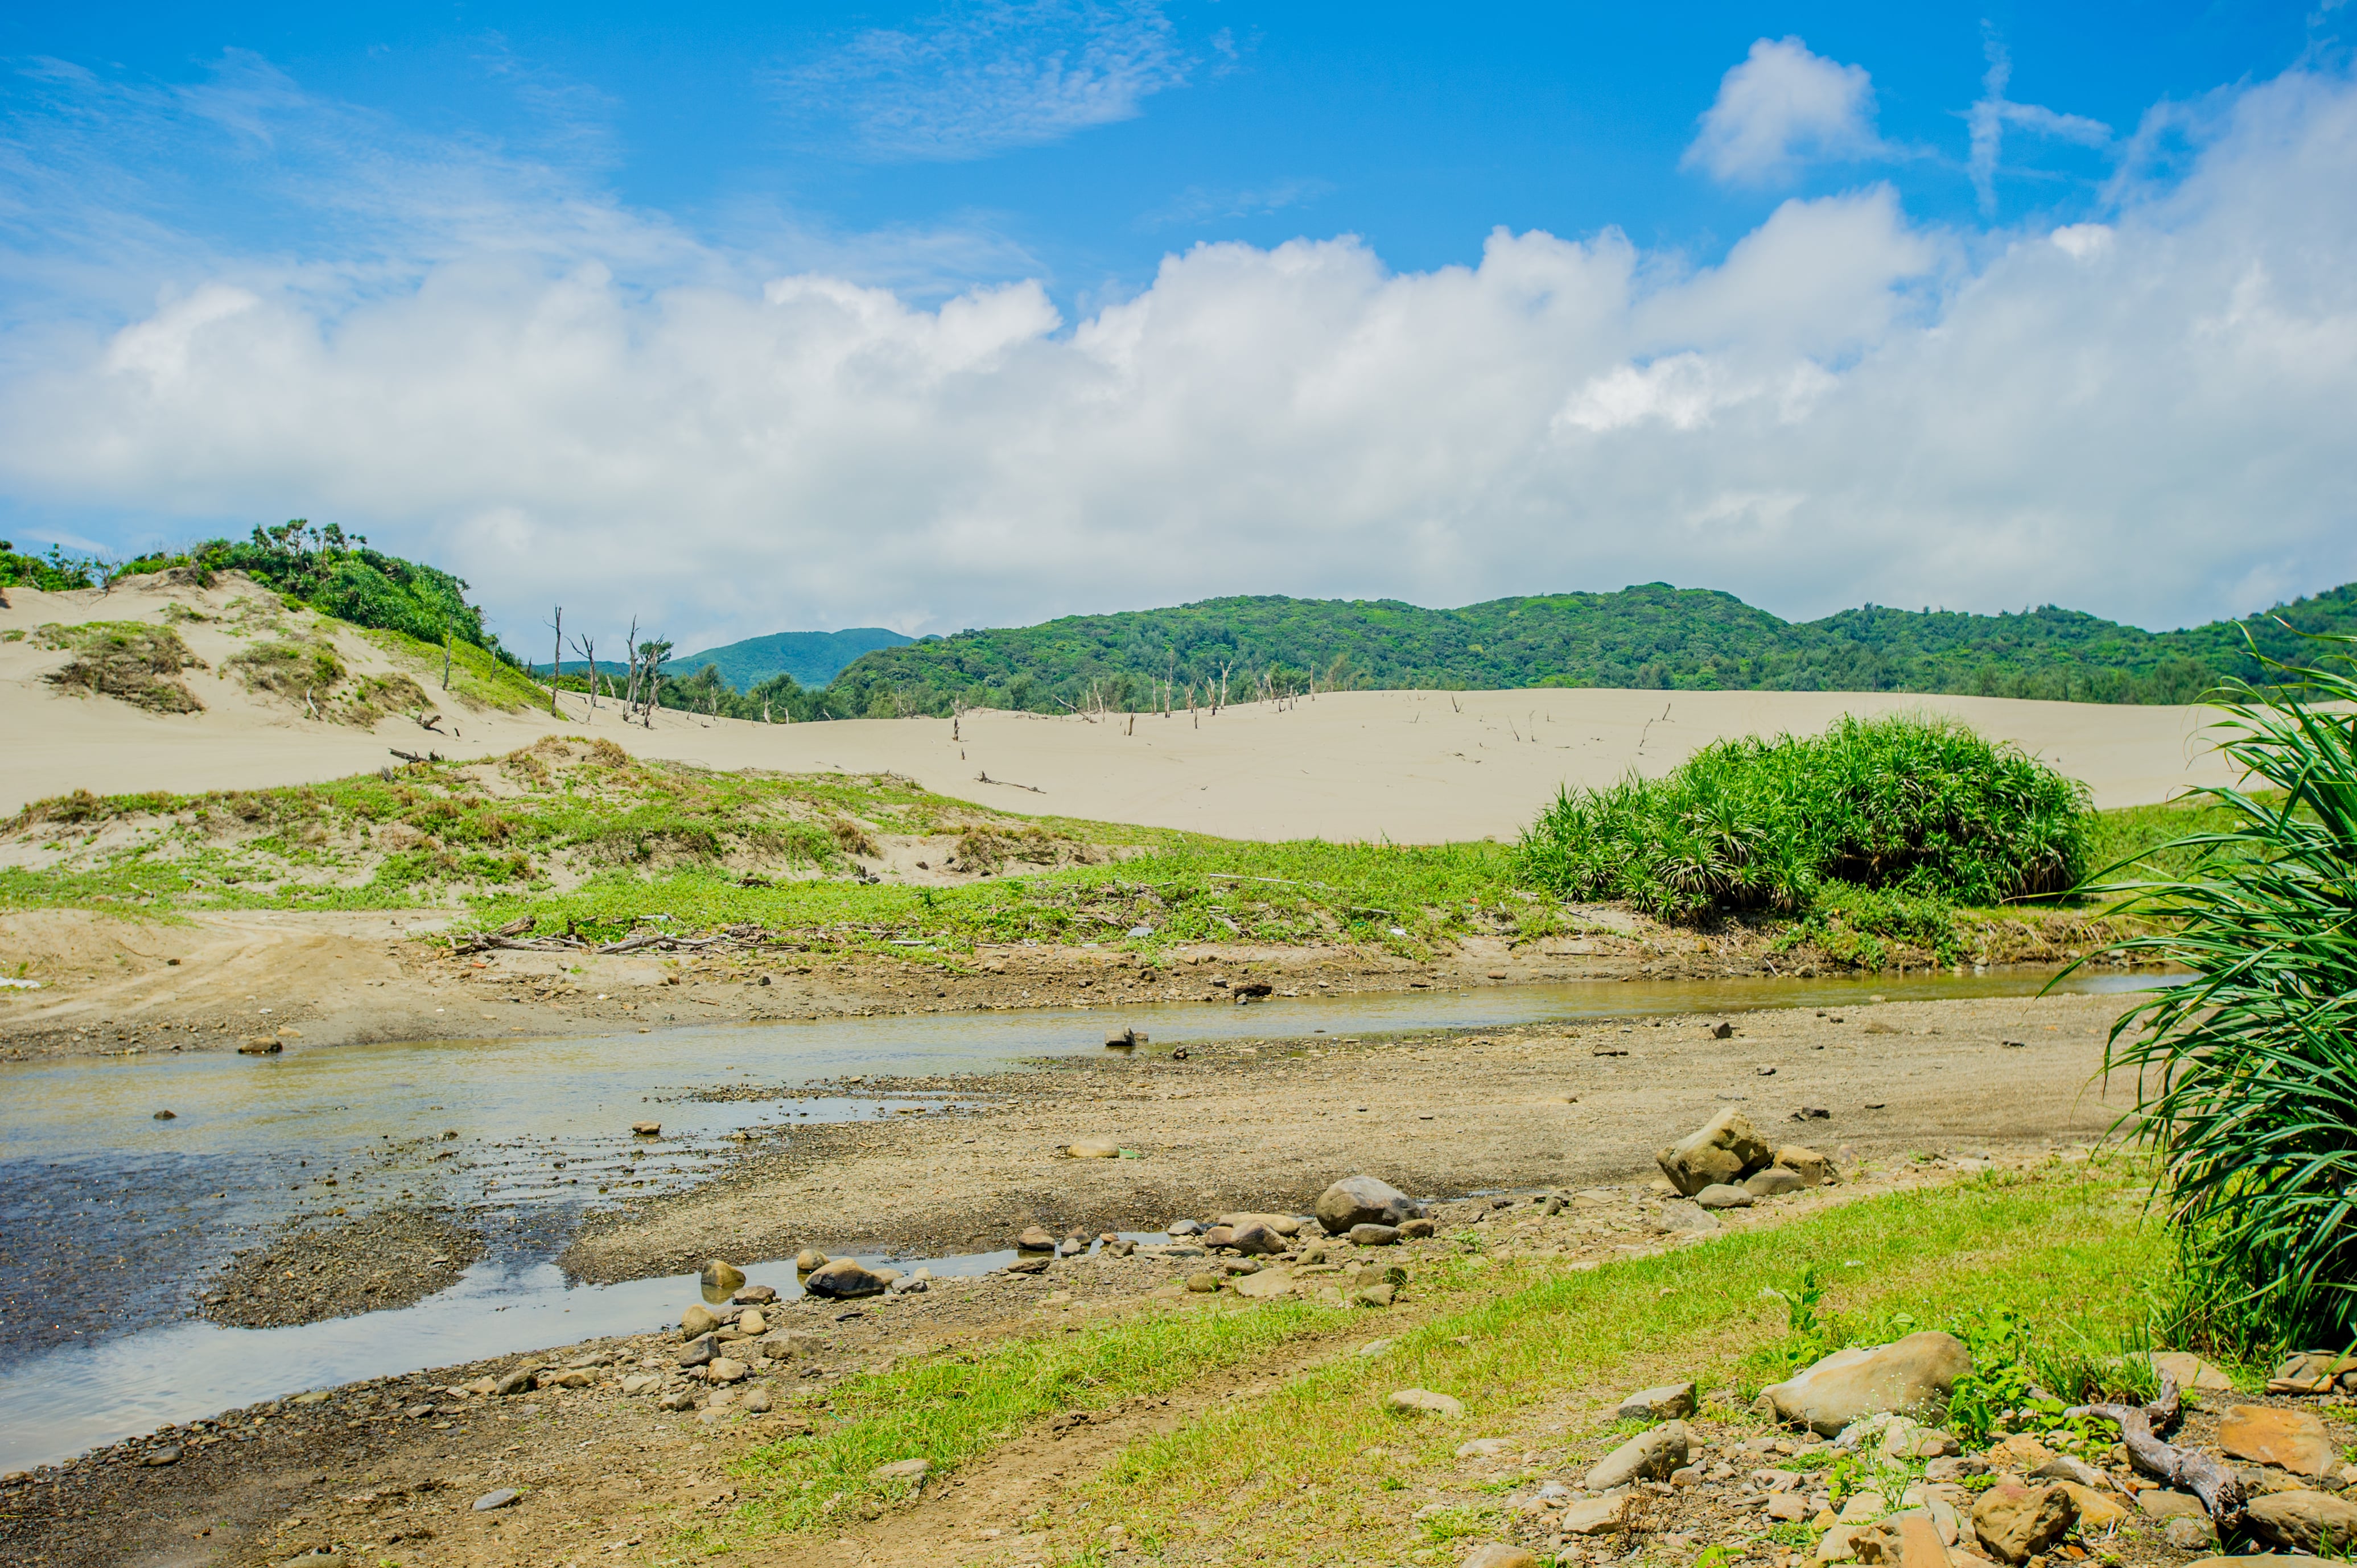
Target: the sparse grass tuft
(131, 660)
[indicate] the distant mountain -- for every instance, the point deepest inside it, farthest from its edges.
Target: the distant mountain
(1651, 635)
(811, 658)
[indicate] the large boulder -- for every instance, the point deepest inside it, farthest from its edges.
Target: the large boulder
(1719, 1152)
(1648, 1456)
(1910, 1376)
(1364, 1200)
(2014, 1524)
(2313, 1522)
(844, 1278)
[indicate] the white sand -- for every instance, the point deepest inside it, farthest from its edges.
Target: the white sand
(1416, 766)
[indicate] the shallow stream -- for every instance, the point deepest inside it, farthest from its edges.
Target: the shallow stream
(111, 1220)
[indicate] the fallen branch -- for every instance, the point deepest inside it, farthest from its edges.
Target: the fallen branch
(412, 757)
(2189, 1471)
(1009, 783)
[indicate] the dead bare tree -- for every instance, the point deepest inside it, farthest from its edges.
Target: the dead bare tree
(556, 663)
(587, 648)
(631, 651)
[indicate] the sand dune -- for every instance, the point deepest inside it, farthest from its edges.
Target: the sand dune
(1418, 766)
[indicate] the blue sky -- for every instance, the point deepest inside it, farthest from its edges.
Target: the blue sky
(980, 313)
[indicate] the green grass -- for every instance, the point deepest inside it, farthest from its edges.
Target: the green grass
(1529, 1345)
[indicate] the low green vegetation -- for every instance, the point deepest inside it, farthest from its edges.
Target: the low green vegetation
(579, 836)
(1879, 827)
(1530, 1347)
(131, 660)
(2247, 1072)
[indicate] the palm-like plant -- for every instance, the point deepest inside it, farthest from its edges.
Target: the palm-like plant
(2247, 1073)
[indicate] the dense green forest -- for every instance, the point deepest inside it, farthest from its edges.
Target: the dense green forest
(1652, 635)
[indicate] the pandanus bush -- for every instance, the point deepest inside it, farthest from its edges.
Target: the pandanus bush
(2246, 1071)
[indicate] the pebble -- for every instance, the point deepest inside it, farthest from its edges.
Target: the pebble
(808, 1260)
(722, 1278)
(1374, 1235)
(501, 1498)
(902, 1470)
(1719, 1195)
(759, 1401)
(166, 1116)
(168, 1454)
(1422, 1402)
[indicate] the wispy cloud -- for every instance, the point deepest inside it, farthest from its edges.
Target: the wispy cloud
(1781, 108)
(1198, 204)
(978, 79)
(1994, 113)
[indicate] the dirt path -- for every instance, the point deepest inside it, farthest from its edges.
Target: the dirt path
(390, 1467)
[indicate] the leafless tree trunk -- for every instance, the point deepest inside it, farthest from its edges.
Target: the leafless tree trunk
(448, 643)
(556, 663)
(587, 648)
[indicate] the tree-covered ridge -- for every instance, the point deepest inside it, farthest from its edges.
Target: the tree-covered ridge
(326, 568)
(1649, 637)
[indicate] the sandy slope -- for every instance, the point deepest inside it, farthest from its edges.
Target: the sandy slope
(1414, 765)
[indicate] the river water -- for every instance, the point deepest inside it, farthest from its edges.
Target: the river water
(111, 1220)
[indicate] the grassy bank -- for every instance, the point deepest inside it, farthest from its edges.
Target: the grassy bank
(579, 835)
(1307, 1468)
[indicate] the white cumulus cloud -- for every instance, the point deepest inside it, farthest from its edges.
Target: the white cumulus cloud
(2145, 416)
(1781, 107)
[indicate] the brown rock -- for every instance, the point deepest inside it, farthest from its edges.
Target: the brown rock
(697, 1321)
(2014, 1524)
(1813, 1168)
(1648, 1456)
(1364, 1200)
(2305, 1521)
(1597, 1516)
(1908, 1375)
(2187, 1370)
(843, 1278)
(722, 1278)
(1259, 1238)
(2162, 1503)
(1498, 1554)
(2097, 1510)
(1721, 1151)
(2288, 1439)
(1909, 1539)
(1035, 1239)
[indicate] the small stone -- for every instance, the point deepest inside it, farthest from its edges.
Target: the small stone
(1263, 1284)
(1597, 1516)
(1119, 1040)
(166, 1116)
(1720, 1196)
(1258, 1239)
(1416, 1229)
(1681, 1215)
(2063, 1467)
(2194, 1534)
(1093, 1149)
(1648, 1456)
(721, 1278)
(553, 1378)
(646, 1128)
(1382, 1294)
(752, 1325)
(698, 1320)
(1364, 1200)
(809, 1260)
(1421, 1401)
(1787, 1508)
(677, 1399)
(503, 1497)
(1773, 1182)
(168, 1454)
(2097, 1510)
(1722, 1031)
(726, 1369)
(516, 1382)
(1486, 1447)
(2161, 1503)
(1500, 1554)
(1722, 1150)
(700, 1351)
(2017, 1524)
(1035, 1239)
(262, 1045)
(1813, 1168)
(2291, 1440)
(902, 1470)
(640, 1383)
(1374, 1235)
(754, 1295)
(843, 1279)
(912, 1284)
(1203, 1284)
(1375, 1347)
(759, 1400)
(1668, 1402)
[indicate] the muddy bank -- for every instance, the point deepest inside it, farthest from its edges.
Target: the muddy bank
(1241, 1123)
(312, 1272)
(222, 982)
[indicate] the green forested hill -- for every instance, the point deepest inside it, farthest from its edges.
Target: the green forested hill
(1650, 636)
(811, 658)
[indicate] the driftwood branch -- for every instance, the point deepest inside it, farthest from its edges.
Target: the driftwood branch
(2218, 1487)
(412, 757)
